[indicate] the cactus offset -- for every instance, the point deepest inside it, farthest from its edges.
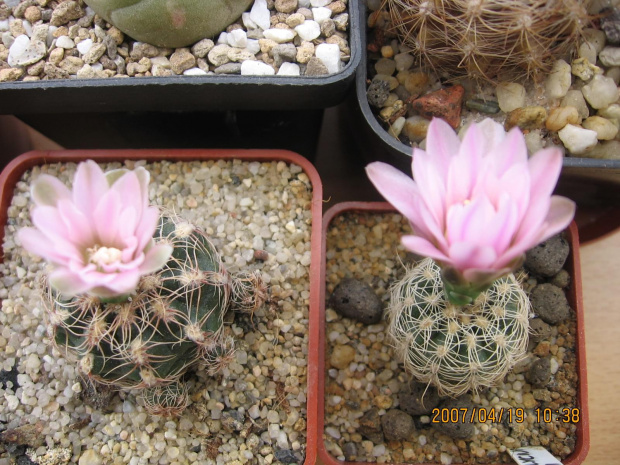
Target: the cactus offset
(172, 323)
(483, 38)
(457, 348)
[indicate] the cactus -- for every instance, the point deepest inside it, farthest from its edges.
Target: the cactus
(173, 322)
(170, 23)
(457, 348)
(483, 38)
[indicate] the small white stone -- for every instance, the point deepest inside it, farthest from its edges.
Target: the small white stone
(612, 112)
(600, 92)
(574, 98)
(595, 37)
(333, 432)
(308, 30)
(89, 457)
(321, 14)
(280, 35)
(318, 3)
(259, 14)
(25, 52)
(329, 54)
(84, 46)
(247, 21)
(4, 25)
(222, 38)
(194, 72)
(303, 3)
(610, 56)
(289, 69)
(378, 451)
(253, 46)
(587, 51)
(65, 42)
(256, 68)
(559, 80)
(237, 38)
(510, 96)
(577, 140)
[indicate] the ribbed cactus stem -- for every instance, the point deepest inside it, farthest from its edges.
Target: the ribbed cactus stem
(457, 348)
(173, 322)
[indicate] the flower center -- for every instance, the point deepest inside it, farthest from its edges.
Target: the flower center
(103, 255)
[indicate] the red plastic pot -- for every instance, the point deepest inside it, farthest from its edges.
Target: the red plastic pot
(14, 170)
(575, 299)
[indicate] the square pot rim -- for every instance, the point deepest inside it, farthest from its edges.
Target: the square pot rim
(606, 170)
(12, 173)
(195, 93)
(575, 297)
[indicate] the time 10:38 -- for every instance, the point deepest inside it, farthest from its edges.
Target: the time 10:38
(565, 415)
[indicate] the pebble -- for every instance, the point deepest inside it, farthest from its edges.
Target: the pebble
(342, 356)
(600, 92)
(289, 69)
(403, 61)
(397, 425)
(549, 303)
(605, 129)
(329, 54)
(385, 66)
(443, 103)
(65, 12)
(583, 69)
(65, 42)
(321, 14)
(489, 107)
(539, 372)
(378, 92)
(561, 116)
(416, 128)
(90, 457)
(280, 35)
(356, 300)
(25, 52)
(316, 67)
(510, 96)
(459, 429)
(559, 80)
(308, 30)
(610, 24)
(539, 330)
(574, 98)
(370, 426)
(526, 118)
(577, 140)
(259, 14)
(418, 399)
(547, 258)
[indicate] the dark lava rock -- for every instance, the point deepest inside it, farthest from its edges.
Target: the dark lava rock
(539, 330)
(356, 300)
(460, 429)
(286, 456)
(610, 24)
(397, 425)
(539, 373)
(418, 399)
(350, 451)
(24, 460)
(9, 377)
(370, 426)
(232, 420)
(547, 258)
(549, 303)
(378, 92)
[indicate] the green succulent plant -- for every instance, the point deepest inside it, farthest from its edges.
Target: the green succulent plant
(172, 323)
(170, 23)
(457, 348)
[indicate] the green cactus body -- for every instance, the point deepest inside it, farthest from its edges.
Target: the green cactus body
(170, 23)
(172, 323)
(457, 348)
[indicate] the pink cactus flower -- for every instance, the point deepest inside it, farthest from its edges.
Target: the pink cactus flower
(477, 205)
(98, 237)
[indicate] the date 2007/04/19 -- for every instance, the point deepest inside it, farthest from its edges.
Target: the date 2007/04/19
(491, 415)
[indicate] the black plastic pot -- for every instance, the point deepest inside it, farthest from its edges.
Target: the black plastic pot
(592, 183)
(186, 93)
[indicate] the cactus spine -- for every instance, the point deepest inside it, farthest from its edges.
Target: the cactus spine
(173, 322)
(480, 38)
(457, 348)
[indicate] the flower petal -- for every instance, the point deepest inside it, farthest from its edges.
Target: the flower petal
(421, 246)
(48, 190)
(442, 142)
(156, 258)
(67, 282)
(89, 185)
(106, 218)
(397, 188)
(465, 255)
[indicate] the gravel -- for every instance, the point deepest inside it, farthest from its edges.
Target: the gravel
(255, 411)
(574, 107)
(366, 246)
(67, 40)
